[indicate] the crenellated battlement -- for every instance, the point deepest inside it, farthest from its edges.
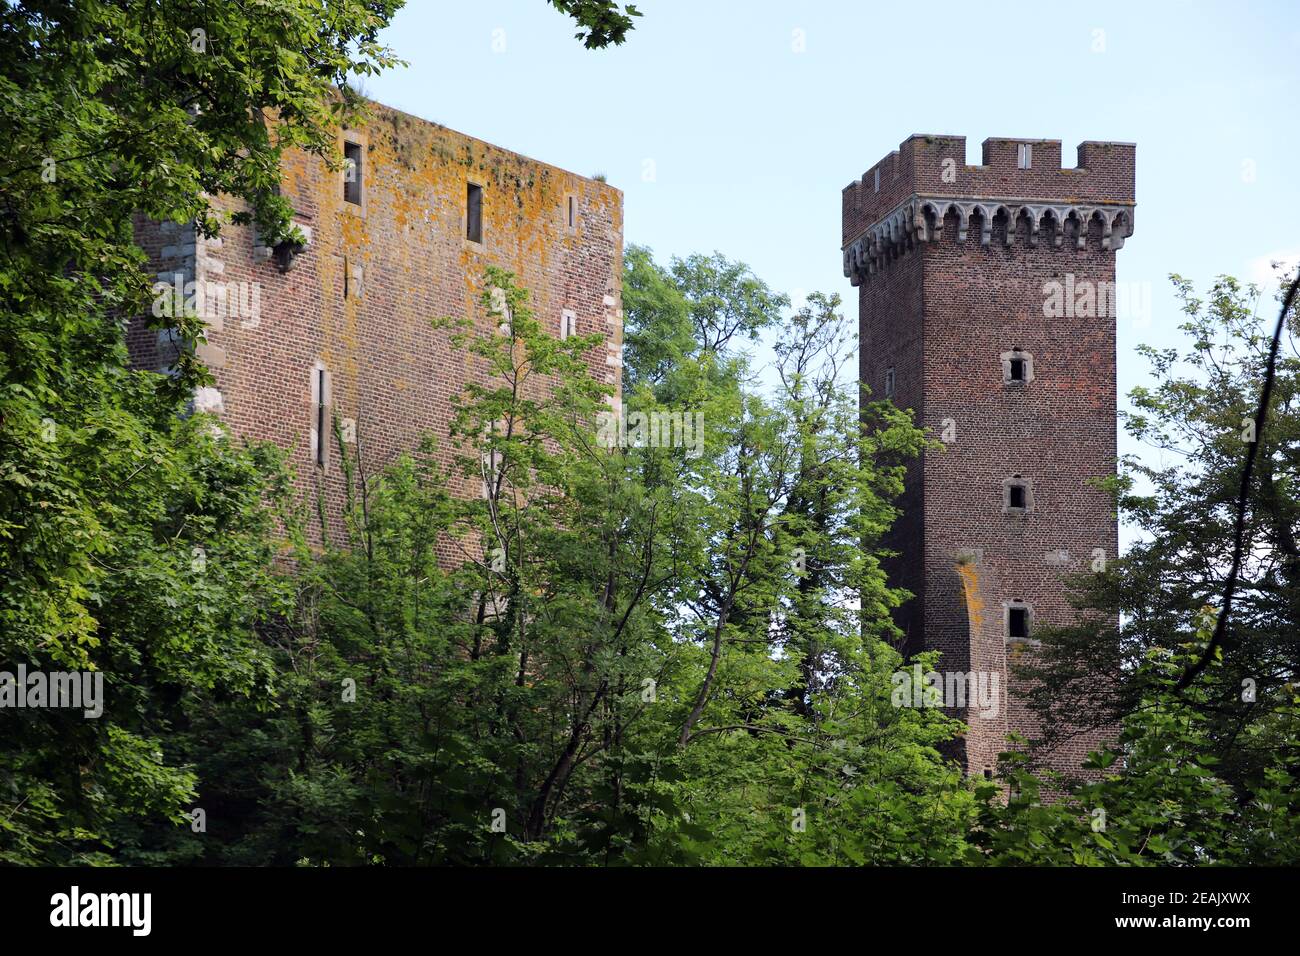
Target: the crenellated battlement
(1019, 192)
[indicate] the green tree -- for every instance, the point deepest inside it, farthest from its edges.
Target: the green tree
(793, 751)
(1160, 798)
(108, 502)
(600, 22)
(610, 653)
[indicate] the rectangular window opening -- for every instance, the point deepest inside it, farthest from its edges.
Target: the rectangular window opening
(889, 383)
(573, 212)
(473, 212)
(1024, 155)
(1016, 496)
(1018, 623)
(352, 173)
(1017, 370)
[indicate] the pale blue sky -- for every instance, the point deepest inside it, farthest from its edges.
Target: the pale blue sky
(752, 140)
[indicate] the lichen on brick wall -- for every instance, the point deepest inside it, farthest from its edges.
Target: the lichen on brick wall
(407, 251)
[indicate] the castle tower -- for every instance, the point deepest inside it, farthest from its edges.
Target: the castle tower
(987, 305)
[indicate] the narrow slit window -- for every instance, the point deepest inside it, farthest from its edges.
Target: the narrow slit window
(572, 211)
(1018, 623)
(473, 212)
(322, 415)
(352, 172)
(568, 323)
(889, 382)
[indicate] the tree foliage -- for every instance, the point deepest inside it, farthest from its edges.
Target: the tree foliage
(133, 542)
(600, 22)
(620, 653)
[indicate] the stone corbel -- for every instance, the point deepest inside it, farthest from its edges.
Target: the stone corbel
(936, 233)
(1058, 227)
(1126, 230)
(1084, 218)
(284, 253)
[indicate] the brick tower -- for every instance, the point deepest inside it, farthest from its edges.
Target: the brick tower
(987, 305)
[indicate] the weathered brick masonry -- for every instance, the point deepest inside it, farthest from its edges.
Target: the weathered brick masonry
(954, 266)
(357, 301)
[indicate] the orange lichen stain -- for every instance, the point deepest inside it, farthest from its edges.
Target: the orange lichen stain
(417, 175)
(971, 586)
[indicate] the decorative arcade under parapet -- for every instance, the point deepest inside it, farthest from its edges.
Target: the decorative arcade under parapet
(1020, 191)
(921, 219)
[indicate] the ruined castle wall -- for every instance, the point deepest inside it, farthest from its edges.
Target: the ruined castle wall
(359, 299)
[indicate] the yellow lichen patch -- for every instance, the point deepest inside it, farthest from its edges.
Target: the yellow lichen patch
(969, 574)
(408, 237)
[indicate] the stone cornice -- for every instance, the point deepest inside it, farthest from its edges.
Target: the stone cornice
(919, 218)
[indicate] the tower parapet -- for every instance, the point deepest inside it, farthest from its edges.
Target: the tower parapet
(1019, 193)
